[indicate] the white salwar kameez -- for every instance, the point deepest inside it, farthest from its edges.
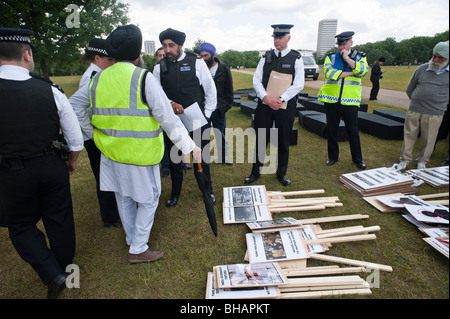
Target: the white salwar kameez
(137, 188)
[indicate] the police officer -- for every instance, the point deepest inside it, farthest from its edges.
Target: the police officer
(185, 79)
(283, 60)
(34, 178)
(341, 94)
(99, 60)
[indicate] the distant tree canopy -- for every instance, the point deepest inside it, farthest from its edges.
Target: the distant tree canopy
(62, 28)
(414, 50)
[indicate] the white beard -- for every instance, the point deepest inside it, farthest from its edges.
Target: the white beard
(437, 66)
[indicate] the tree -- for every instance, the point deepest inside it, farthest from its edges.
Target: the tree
(62, 28)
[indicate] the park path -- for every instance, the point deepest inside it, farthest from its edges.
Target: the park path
(385, 96)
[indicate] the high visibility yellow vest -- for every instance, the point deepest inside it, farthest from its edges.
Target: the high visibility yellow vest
(125, 130)
(347, 91)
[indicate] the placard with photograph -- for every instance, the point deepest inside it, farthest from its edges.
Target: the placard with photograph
(275, 246)
(248, 275)
(244, 214)
(264, 292)
(245, 196)
(284, 222)
(429, 214)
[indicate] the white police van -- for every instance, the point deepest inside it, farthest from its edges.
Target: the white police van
(311, 67)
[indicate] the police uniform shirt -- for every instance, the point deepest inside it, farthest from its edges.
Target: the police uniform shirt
(293, 90)
(205, 79)
(67, 118)
(87, 75)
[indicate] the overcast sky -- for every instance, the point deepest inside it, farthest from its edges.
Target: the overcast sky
(245, 24)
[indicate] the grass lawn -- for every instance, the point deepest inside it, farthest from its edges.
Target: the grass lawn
(191, 251)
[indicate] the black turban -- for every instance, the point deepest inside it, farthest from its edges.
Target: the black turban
(176, 36)
(124, 43)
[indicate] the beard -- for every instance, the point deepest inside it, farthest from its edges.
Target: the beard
(437, 66)
(210, 62)
(172, 57)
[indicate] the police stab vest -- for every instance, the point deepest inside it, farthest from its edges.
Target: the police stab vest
(180, 83)
(347, 91)
(125, 130)
(284, 64)
(29, 120)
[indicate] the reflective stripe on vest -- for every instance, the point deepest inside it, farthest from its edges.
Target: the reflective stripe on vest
(125, 130)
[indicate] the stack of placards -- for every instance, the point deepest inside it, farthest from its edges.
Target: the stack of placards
(378, 181)
(395, 202)
(277, 252)
(435, 176)
(243, 204)
(245, 281)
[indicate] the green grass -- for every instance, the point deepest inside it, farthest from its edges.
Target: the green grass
(183, 232)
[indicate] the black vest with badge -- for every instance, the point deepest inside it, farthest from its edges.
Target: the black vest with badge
(29, 121)
(284, 64)
(180, 83)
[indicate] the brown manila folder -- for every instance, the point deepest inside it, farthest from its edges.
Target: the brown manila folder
(278, 84)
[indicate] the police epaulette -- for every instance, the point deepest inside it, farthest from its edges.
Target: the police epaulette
(268, 56)
(47, 80)
(299, 55)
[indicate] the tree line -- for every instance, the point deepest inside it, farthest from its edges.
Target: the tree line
(416, 50)
(59, 41)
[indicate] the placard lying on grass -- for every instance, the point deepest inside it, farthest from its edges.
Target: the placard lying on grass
(248, 275)
(244, 214)
(284, 222)
(266, 292)
(244, 196)
(279, 245)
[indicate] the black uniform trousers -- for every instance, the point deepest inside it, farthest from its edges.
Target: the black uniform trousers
(349, 114)
(375, 89)
(106, 200)
(177, 167)
(40, 190)
(265, 117)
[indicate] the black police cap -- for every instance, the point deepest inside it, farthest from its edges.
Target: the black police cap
(97, 46)
(15, 35)
(281, 29)
(342, 38)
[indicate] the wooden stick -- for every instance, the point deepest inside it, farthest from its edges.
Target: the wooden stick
(295, 200)
(332, 219)
(296, 204)
(293, 193)
(353, 262)
(433, 195)
(343, 239)
(438, 202)
(324, 293)
(285, 271)
(328, 271)
(300, 289)
(349, 232)
(322, 281)
(296, 209)
(335, 230)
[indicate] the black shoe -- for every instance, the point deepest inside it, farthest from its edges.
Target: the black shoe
(445, 163)
(57, 285)
(284, 180)
(187, 167)
(251, 179)
(173, 200)
(361, 165)
(331, 162)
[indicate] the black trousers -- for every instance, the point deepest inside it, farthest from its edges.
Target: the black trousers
(265, 118)
(375, 89)
(177, 167)
(349, 114)
(106, 200)
(40, 190)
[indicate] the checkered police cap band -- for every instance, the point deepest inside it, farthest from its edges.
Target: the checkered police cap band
(97, 50)
(15, 38)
